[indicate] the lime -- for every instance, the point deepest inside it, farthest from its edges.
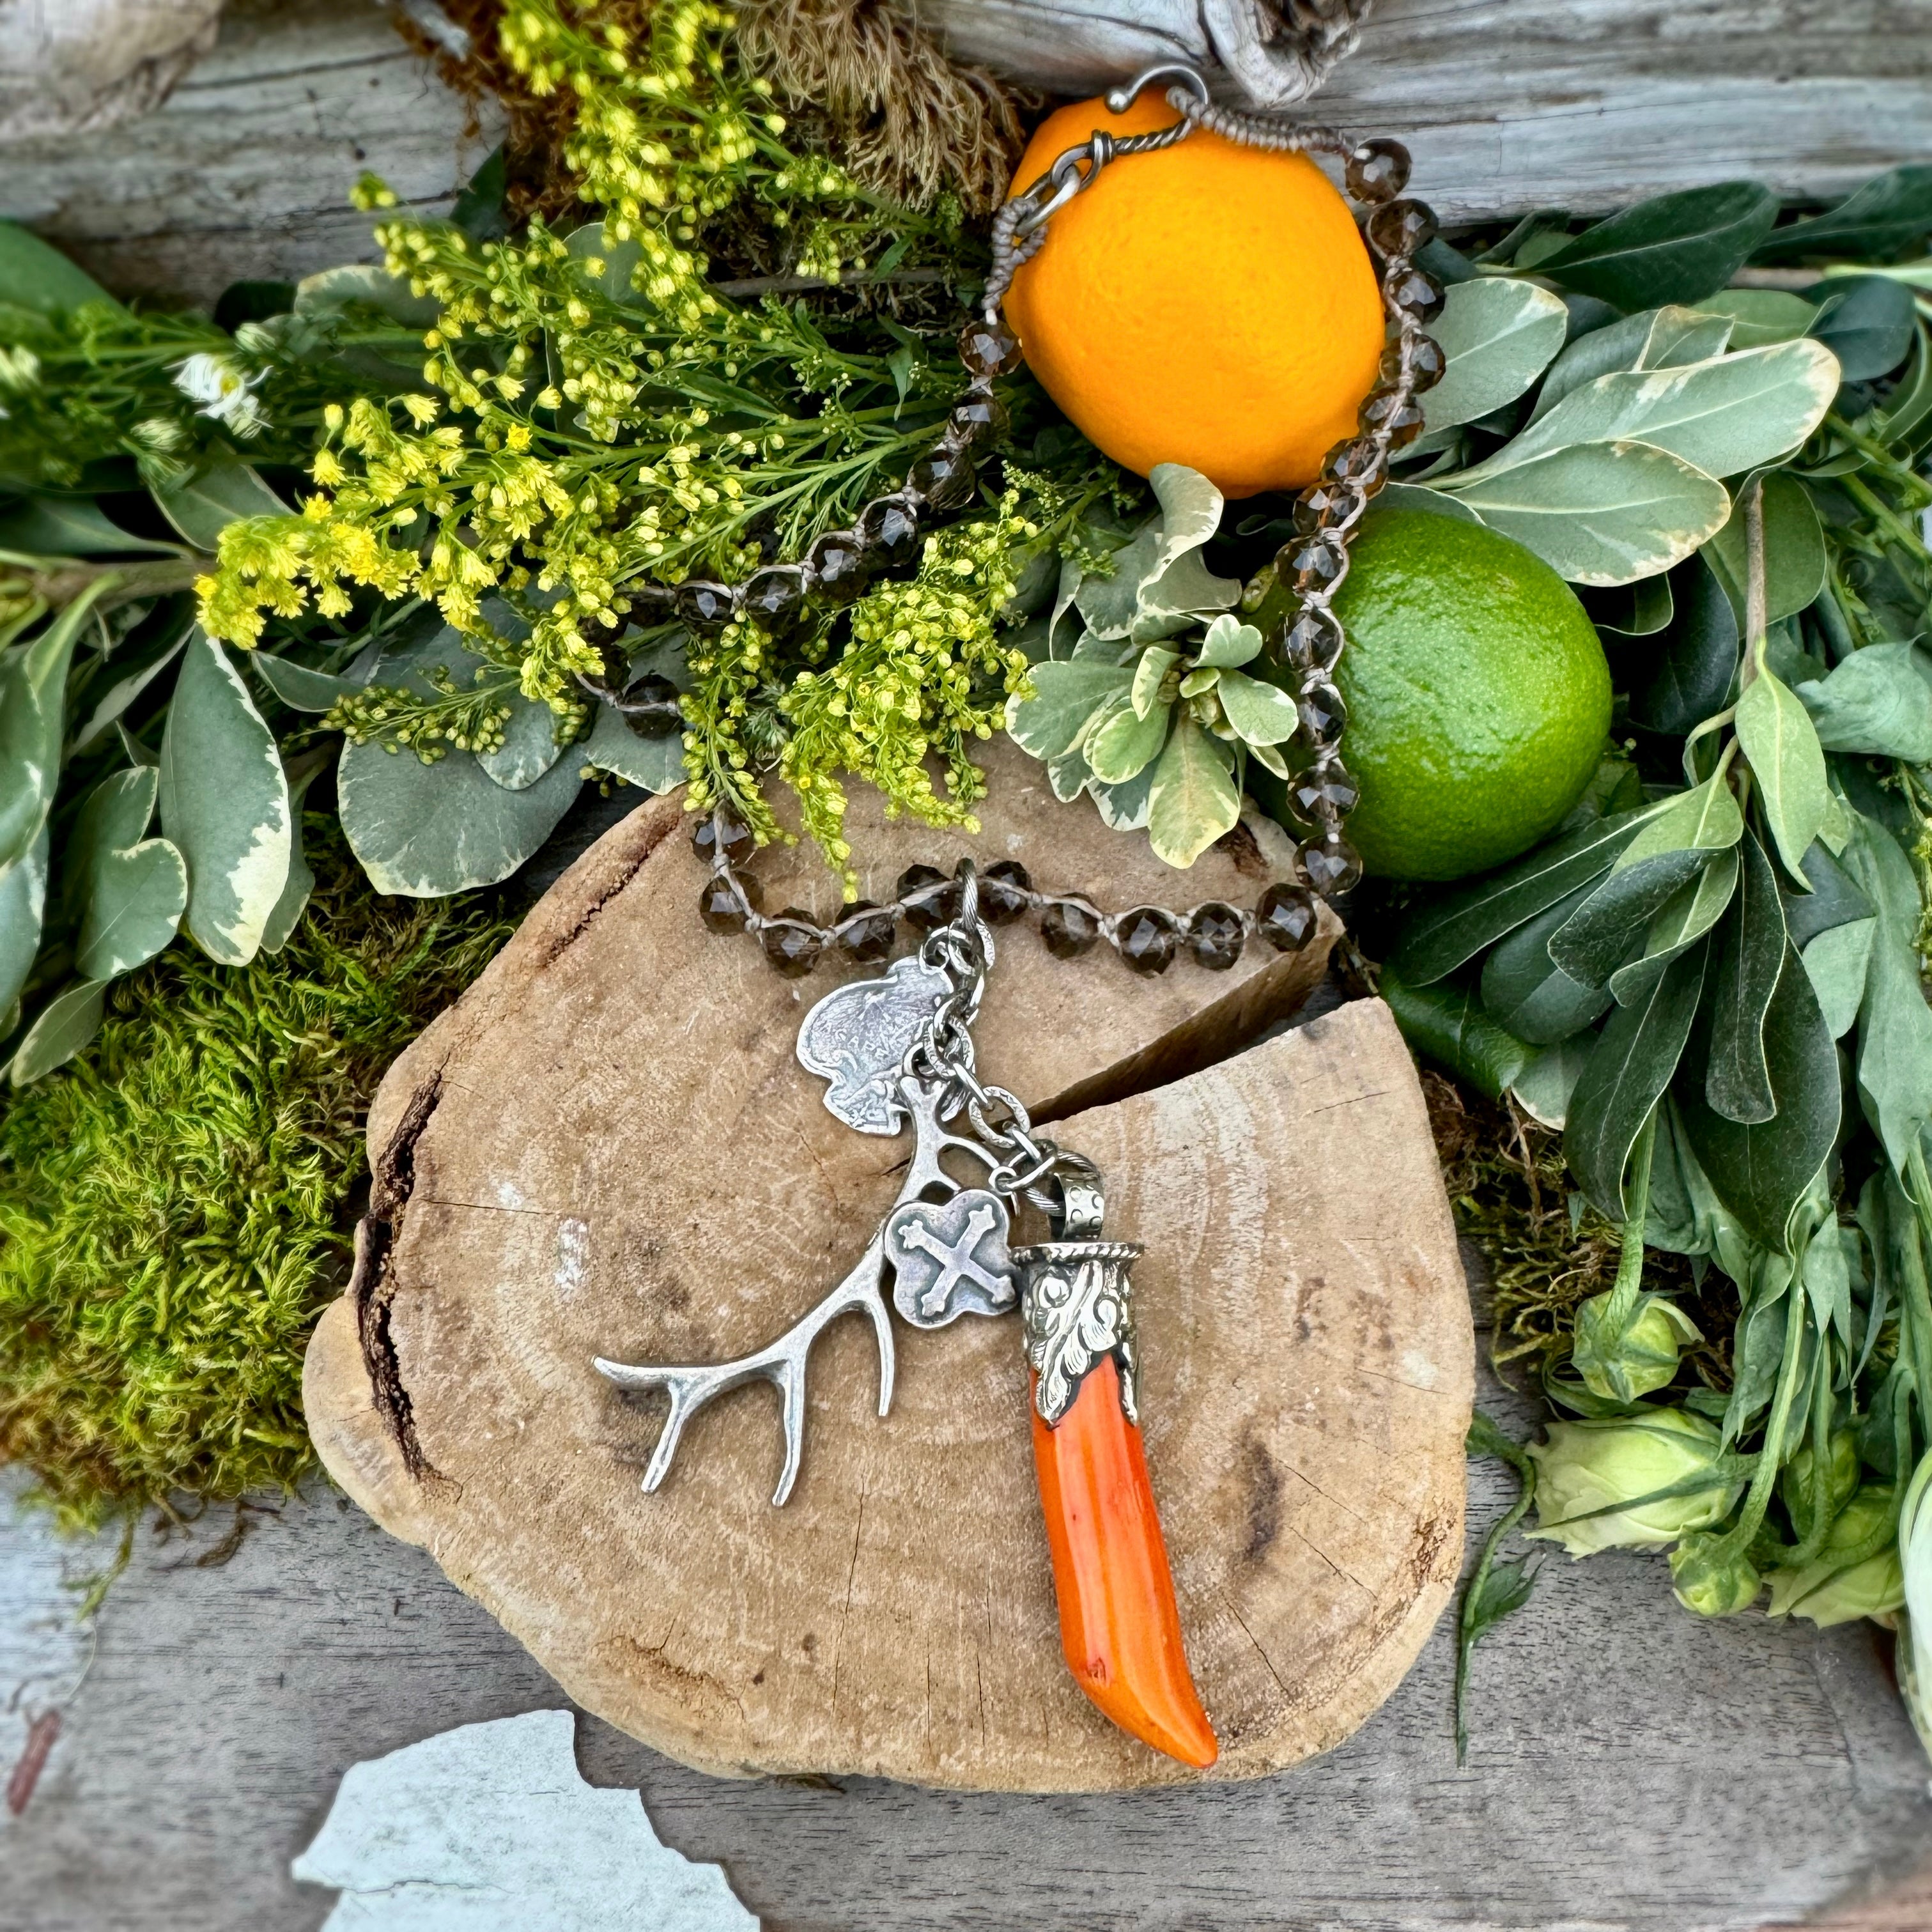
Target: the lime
(1478, 697)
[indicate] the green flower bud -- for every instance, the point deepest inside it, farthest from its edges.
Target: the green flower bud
(1586, 1468)
(1794, 1481)
(1710, 1579)
(1828, 1591)
(1622, 1362)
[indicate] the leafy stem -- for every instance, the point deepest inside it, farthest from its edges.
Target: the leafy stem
(1493, 1591)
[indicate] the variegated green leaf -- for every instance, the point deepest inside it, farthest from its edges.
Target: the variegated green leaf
(63, 1027)
(1498, 334)
(132, 889)
(23, 897)
(1263, 713)
(1129, 740)
(1654, 338)
(1228, 642)
(1156, 661)
(33, 704)
(1067, 694)
(1192, 800)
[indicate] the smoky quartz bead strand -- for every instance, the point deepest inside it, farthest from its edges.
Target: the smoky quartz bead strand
(1216, 934)
(1331, 866)
(839, 567)
(929, 898)
(725, 902)
(1377, 171)
(1070, 928)
(864, 932)
(1005, 892)
(1286, 917)
(1146, 939)
(792, 943)
(721, 837)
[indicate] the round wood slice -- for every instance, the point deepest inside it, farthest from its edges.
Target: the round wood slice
(607, 1148)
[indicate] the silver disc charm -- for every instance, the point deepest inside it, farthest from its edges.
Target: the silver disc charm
(858, 1036)
(950, 1258)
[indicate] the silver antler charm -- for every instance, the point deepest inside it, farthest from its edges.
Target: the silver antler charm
(892, 1049)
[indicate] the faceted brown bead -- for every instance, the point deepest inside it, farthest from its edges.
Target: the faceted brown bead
(1146, 939)
(1399, 423)
(1323, 716)
(1313, 641)
(930, 899)
(720, 907)
(1416, 292)
(1425, 364)
(1323, 795)
(1360, 460)
(794, 949)
(772, 595)
(839, 567)
(1315, 564)
(662, 717)
(1216, 935)
(1069, 929)
(1377, 171)
(889, 528)
(862, 938)
(988, 348)
(721, 834)
(1322, 507)
(1003, 890)
(1401, 227)
(944, 479)
(1286, 917)
(705, 606)
(977, 419)
(1331, 866)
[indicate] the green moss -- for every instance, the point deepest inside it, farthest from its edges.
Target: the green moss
(175, 1207)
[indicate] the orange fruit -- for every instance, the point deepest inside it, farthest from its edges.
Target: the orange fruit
(1209, 305)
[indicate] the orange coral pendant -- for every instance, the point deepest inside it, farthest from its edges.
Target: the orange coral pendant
(1120, 1627)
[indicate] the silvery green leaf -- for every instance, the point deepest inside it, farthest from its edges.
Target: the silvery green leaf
(1915, 1552)
(1498, 334)
(1190, 513)
(1680, 922)
(1869, 322)
(298, 687)
(1067, 694)
(23, 897)
(1124, 808)
(1611, 925)
(657, 764)
(1894, 1040)
(1524, 989)
(1836, 961)
(35, 274)
(426, 831)
(616, 260)
(1449, 1024)
(1639, 610)
(530, 746)
(1184, 593)
(224, 803)
(1692, 674)
(1704, 819)
(1229, 642)
(1543, 1088)
(1746, 959)
(1127, 743)
(65, 1024)
(330, 291)
(1759, 317)
(1263, 713)
(300, 882)
(1722, 417)
(33, 705)
(1072, 576)
(130, 889)
(1602, 513)
(1794, 546)
(1070, 775)
(122, 693)
(1672, 247)
(70, 526)
(1417, 496)
(1269, 756)
(1777, 736)
(1192, 800)
(1655, 338)
(205, 504)
(1878, 701)
(1156, 661)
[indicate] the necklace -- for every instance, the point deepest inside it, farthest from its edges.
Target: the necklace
(897, 1050)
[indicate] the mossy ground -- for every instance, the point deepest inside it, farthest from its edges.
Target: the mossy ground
(176, 1206)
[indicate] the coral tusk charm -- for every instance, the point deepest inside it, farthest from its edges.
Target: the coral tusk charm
(1120, 1625)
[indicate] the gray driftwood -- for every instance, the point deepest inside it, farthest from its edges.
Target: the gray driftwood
(607, 1147)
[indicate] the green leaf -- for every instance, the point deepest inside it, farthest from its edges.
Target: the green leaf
(1894, 1044)
(1066, 693)
(1794, 548)
(1156, 661)
(1836, 961)
(656, 763)
(1761, 1171)
(1625, 1076)
(1656, 338)
(65, 1024)
(618, 260)
(120, 695)
(1750, 953)
(1441, 936)
(1601, 513)
(1723, 417)
(70, 526)
(1890, 211)
(1868, 322)
(23, 899)
(1526, 991)
(1263, 713)
(1639, 610)
(1193, 799)
(1759, 317)
(1776, 733)
(36, 276)
(300, 884)
(1123, 747)
(1699, 663)
(530, 746)
(1610, 926)
(224, 803)
(1911, 402)
(1673, 248)
(1831, 899)
(331, 292)
(1877, 701)
(1229, 642)
(132, 888)
(298, 687)
(1498, 334)
(1681, 921)
(1544, 1088)
(1159, 582)
(1125, 807)
(202, 506)
(33, 708)
(1704, 819)
(1449, 1025)
(1416, 496)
